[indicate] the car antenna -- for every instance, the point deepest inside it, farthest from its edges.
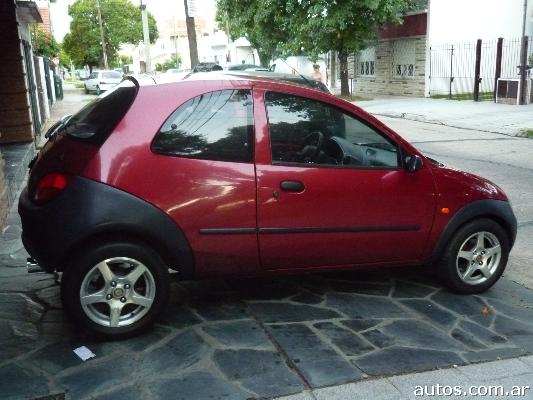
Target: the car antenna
(298, 72)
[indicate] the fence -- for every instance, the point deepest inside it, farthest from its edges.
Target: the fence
(470, 70)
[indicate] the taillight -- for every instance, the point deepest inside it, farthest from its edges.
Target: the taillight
(50, 186)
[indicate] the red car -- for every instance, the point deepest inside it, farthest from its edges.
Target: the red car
(221, 175)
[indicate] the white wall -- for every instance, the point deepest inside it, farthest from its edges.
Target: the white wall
(465, 20)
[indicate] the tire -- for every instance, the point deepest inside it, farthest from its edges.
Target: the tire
(86, 90)
(98, 91)
(472, 261)
(129, 278)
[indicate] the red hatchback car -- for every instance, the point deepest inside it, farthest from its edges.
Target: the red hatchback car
(221, 175)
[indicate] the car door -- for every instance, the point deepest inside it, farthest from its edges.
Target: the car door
(332, 189)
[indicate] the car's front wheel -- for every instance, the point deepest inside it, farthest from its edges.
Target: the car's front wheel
(115, 289)
(475, 257)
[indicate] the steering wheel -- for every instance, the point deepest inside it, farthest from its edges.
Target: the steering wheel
(311, 146)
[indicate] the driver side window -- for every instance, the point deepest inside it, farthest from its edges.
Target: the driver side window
(306, 131)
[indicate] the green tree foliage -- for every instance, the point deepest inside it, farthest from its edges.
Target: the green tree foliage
(311, 27)
(255, 20)
(44, 43)
(172, 63)
(121, 23)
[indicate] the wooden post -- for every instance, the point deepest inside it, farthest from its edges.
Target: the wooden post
(451, 72)
(498, 71)
(477, 79)
(523, 70)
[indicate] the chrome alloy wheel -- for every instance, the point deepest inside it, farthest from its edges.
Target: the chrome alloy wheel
(117, 292)
(478, 258)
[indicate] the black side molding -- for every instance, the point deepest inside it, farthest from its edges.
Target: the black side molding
(498, 210)
(89, 210)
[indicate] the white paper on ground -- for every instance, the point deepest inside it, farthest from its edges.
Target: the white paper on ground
(84, 353)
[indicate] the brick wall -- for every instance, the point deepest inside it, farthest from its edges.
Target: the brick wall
(15, 116)
(384, 82)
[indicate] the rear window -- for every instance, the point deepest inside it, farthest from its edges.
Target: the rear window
(96, 120)
(111, 75)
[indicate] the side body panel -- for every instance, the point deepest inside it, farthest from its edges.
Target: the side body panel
(201, 196)
(344, 216)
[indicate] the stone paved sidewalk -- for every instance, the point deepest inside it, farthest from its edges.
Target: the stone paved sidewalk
(251, 339)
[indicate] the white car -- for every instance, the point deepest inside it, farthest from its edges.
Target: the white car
(100, 81)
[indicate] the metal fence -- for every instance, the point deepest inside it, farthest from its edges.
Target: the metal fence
(469, 70)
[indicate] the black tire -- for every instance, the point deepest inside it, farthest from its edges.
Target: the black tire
(75, 274)
(98, 91)
(86, 90)
(447, 266)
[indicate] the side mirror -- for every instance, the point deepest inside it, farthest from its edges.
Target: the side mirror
(413, 163)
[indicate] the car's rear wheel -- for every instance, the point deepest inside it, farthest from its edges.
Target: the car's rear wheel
(98, 90)
(475, 257)
(116, 289)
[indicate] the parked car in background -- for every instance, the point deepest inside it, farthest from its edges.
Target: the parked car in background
(173, 75)
(242, 67)
(100, 81)
(299, 64)
(221, 175)
(298, 79)
(207, 67)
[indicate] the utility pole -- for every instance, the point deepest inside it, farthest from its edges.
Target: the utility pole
(146, 39)
(102, 38)
(191, 34)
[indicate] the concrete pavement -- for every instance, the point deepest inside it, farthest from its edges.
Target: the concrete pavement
(484, 116)
(468, 382)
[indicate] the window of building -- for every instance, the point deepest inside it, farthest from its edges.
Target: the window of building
(213, 126)
(309, 132)
(366, 62)
(403, 59)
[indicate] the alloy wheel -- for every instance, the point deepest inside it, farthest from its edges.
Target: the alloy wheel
(117, 292)
(478, 258)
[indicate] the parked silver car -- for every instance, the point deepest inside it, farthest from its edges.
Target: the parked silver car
(100, 81)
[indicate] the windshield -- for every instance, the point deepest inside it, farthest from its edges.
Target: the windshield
(111, 75)
(96, 120)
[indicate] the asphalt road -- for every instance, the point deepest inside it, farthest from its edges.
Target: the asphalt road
(505, 160)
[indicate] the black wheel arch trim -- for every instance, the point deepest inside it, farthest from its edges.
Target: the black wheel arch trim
(88, 210)
(498, 210)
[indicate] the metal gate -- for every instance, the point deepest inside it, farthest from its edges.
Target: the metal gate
(469, 70)
(28, 61)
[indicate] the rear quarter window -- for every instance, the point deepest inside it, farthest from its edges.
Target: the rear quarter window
(213, 126)
(95, 121)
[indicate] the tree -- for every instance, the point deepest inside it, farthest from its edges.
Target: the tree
(44, 43)
(255, 20)
(172, 63)
(121, 24)
(311, 27)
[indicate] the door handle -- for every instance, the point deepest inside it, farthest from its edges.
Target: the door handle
(292, 186)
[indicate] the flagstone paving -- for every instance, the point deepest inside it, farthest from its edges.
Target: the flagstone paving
(259, 338)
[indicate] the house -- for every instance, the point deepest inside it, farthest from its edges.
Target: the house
(433, 53)
(20, 113)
